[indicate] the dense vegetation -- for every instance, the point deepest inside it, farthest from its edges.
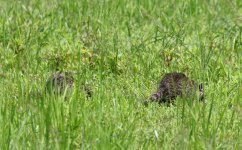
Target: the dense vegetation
(122, 49)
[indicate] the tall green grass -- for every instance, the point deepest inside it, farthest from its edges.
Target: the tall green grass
(121, 48)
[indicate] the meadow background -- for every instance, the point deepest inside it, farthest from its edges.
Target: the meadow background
(122, 49)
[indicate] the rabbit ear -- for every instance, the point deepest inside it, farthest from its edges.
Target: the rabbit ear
(201, 87)
(201, 91)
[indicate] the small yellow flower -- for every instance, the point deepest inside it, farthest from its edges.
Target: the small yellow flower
(84, 50)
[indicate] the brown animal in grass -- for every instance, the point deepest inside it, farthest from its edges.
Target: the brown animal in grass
(176, 84)
(63, 84)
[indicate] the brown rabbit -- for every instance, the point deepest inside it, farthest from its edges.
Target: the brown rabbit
(176, 84)
(63, 83)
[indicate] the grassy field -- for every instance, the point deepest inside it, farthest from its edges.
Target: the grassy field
(121, 48)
